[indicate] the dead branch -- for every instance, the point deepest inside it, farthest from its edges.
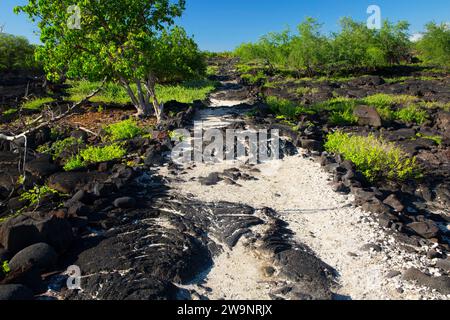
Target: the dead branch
(88, 131)
(52, 119)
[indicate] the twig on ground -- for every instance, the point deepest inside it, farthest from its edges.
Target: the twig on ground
(53, 118)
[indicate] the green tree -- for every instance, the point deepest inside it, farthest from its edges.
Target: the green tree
(309, 49)
(357, 46)
(16, 54)
(120, 40)
(354, 46)
(434, 47)
(273, 49)
(393, 40)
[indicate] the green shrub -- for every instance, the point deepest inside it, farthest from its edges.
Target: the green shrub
(34, 196)
(311, 52)
(437, 139)
(58, 147)
(212, 70)
(37, 104)
(412, 114)
(127, 129)
(434, 47)
(303, 91)
(93, 154)
(74, 163)
(17, 54)
(386, 103)
(374, 157)
(340, 110)
(9, 112)
(254, 79)
(283, 107)
(4, 268)
(102, 154)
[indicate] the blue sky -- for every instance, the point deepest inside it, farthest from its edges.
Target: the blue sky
(219, 25)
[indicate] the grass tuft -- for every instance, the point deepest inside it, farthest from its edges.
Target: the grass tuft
(124, 130)
(113, 93)
(93, 155)
(57, 148)
(37, 104)
(374, 157)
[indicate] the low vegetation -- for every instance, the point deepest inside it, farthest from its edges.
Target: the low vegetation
(353, 49)
(9, 112)
(95, 154)
(285, 108)
(340, 111)
(112, 93)
(34, 196)
(375, 158)
(4, 268)
(127, 129)
(57, 148)
(37, 104)
(437, 139)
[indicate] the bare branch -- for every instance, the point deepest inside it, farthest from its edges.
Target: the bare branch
(52, 119)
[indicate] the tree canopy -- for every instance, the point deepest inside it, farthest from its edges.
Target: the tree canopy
(16, 54)
(354, 46)
(128, 41)
(434, 47)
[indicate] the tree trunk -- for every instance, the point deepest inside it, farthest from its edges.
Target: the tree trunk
(157, 106)
(143, 108)
(145, 99)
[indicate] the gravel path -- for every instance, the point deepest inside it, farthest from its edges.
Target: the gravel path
(368, 260)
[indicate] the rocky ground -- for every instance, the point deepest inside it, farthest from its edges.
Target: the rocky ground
(304, 227)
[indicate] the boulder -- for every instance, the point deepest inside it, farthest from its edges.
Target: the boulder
(440, 284)
(101, 189)
(77, 208)
(367, 116)
(56, 232)
(23, 231)
(443, 122)
(41, 167)
(40, 256)
(444, 264)
(18, 233)
(426, 229)
(15, 292)
(371, 81)
(212, 179)
(154, 155)
(403, 134)
(310, 144)
(125, 203)
(339, 187)
(394, 203)
(78, 196)
(68, 182)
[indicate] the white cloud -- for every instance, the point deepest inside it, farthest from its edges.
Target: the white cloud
(416, 37)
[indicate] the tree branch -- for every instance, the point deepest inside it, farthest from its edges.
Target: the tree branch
(53, 119)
